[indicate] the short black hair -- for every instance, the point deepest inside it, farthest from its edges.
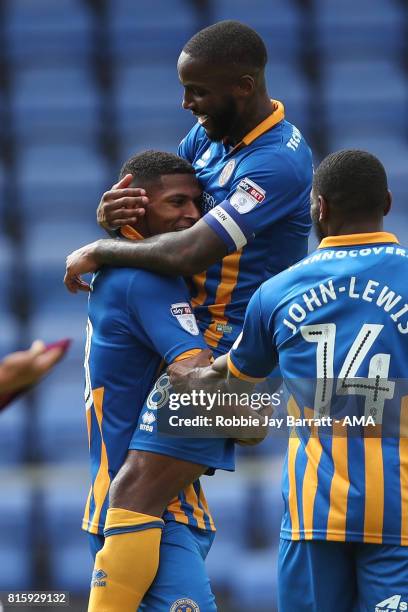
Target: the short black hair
(151, 165)
(227, 43)
(352, 180)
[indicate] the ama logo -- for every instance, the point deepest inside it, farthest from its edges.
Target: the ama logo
(392, 603)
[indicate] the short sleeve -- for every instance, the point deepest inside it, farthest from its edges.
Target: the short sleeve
(266, 188)
(160, 306)
(253, 355)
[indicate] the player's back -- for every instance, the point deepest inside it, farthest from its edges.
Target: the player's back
(340, 321)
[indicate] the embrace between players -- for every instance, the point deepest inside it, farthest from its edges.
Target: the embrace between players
(149, 524)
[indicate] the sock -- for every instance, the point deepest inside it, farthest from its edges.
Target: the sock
(126, 565)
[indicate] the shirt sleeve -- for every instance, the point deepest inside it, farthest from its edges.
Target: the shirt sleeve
(161, 307)
(253, 355)
(265, 189)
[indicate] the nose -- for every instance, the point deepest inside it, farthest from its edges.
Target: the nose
(192, 211)
(187, 102)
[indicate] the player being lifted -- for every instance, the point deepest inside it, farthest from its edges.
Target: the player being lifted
(256, 171)
(344, 310)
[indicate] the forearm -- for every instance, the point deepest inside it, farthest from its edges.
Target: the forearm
(164, 254)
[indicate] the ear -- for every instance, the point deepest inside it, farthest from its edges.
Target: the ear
(323, 208)
(245, 86)
(388, 205)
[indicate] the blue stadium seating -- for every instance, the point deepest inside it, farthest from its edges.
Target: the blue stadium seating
(70, 562)
(60, 419)
(287, 83)
(148, 31)
(369, 94)
(16, 535)
(9, 336)
(47, 32)
(50, 302)
(13, 434)
(59, 106)
(279, 23)
(360, 30)
(62, 183)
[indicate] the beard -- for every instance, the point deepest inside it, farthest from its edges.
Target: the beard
(222, 123)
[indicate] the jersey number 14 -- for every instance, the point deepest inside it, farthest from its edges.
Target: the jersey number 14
(376, 388)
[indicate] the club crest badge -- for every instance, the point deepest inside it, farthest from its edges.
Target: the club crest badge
(226, 172)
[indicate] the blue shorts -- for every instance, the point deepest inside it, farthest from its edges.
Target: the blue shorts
(181, 582)
(324, 576)
(215, 453)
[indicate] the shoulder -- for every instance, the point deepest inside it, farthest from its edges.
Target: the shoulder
(193, 142)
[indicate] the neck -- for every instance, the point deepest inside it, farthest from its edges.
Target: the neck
(346, 228)
(256, 112)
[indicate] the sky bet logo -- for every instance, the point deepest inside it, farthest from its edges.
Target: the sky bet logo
(180, 309)
(392, 603)
(252, 189)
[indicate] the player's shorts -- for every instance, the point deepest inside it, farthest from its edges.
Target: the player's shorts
(323, 576)
(181, 582)
(213, 452)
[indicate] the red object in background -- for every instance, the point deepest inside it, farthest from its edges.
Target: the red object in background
(7, 398)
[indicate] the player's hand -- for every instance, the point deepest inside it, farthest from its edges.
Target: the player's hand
(79, 262)
(25, 368)
(183, 373)
(121, 205)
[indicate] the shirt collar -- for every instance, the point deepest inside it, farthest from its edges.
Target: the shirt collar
(354, 239)
(130, 233)
(278, 113)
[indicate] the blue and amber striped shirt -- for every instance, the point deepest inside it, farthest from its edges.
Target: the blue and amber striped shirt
(256, 198)
(338, 324)
(133, 327)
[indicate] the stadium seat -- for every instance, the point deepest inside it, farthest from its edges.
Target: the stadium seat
(369, 94)
(13, 433)
(70, 562)
(16, 535)
(60, 420)
(145, 118)
(361, 30)
(9, 337)
(287, 83)
(149, 31)
(49, 246)
(46, 32)
(61, 184)
(56, 106)
(278, 23)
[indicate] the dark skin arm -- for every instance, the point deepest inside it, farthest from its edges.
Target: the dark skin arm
(177, 254)
(185, 378)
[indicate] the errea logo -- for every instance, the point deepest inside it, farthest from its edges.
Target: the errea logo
(392, 603)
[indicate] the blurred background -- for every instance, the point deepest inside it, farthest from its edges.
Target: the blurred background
(83, 85)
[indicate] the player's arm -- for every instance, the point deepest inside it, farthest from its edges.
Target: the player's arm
(176, 253)
(250, 361)
(24, 368)
(160, 305)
